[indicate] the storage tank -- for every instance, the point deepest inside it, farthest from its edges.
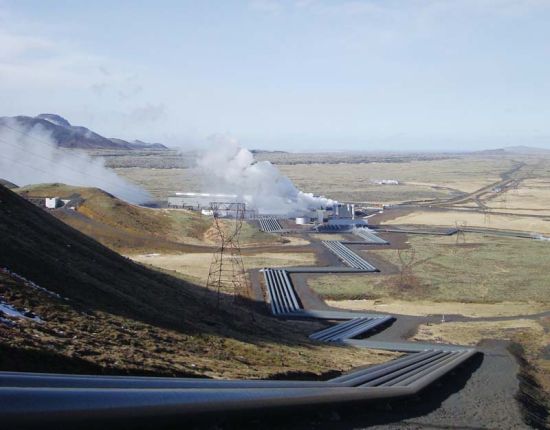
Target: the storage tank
(320, 216)
(302, 220)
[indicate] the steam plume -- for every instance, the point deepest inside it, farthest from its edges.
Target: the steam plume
(229, 168)
(31, 157)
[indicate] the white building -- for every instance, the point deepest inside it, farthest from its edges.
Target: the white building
(386, 182)
(53, 202)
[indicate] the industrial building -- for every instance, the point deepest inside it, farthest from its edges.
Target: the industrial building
(386, 182)
(199, 201)
(47, 202)
(53, 202)
(341, 216)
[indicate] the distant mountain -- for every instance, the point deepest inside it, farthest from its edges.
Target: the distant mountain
(526, 150)
(265, 151)
(141, 144)
(70, 136)
(519, 150)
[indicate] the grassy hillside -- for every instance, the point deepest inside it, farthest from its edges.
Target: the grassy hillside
(120, 317)
(128, 228)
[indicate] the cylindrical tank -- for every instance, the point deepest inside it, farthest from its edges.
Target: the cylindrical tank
(301, 220)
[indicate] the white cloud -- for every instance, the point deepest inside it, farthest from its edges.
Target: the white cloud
(41, 73)
(34, 61)
(13, 47)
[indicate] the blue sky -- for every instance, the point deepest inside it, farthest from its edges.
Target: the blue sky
(293, 75)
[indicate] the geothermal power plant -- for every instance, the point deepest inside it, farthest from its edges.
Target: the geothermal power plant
(333, 216)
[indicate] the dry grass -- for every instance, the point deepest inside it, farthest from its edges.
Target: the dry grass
(530, 333)
(531, 197)
(484, 270)
(101, 342)
(420, 179)
(195, 266)
(426, 307)
(163, 182)
(471, 333)
(473, 219)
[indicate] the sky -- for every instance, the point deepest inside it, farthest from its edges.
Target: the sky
(297, 75)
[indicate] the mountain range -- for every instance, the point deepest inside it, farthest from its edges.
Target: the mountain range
(66, 135)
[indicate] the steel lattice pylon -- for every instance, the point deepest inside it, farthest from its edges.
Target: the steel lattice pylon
(227, 274)
(460, 233)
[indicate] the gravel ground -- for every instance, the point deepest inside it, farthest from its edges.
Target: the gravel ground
(487, 401)
(480, 395)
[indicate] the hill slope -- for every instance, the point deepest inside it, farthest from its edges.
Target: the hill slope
(121, 317)
(48, 251)
(128, 228)
(7, 184)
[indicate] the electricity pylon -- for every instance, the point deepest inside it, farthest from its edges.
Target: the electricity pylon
(227, 274)
(460, 233)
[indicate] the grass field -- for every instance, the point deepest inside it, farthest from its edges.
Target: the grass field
(471, 333)
(484, 270)
(420, 179)
(348, 180)
(194, 266)
(473, 219)
(161, 183)
(430, 307)
(532, 196)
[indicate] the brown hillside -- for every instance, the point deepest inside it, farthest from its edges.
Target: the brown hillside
(121, 317)
(128, 228)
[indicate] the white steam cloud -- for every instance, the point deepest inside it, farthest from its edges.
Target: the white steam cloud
(32, 157)
(229, 168)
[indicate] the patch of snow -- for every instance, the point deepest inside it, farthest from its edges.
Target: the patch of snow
(10, 311)
(541, 237)
(151, 255)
